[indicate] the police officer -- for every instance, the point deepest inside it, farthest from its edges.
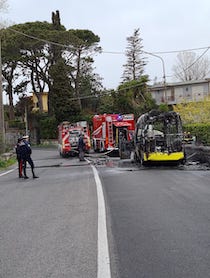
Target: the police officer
(18, 156)
(25, 154)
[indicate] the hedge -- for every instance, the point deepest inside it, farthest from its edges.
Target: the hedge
(200, 131)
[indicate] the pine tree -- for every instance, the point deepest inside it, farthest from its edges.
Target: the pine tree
(134, 68)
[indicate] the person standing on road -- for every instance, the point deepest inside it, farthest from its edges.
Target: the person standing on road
(25, 154)
(18, 156)
(81, 147)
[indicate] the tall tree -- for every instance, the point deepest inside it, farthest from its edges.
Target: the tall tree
(190, 66)
(83, 46)
(134, 68)
(55, 51)
(38, 54)
(26, 47)
(39, 45)
(11, 67)
(64, 105)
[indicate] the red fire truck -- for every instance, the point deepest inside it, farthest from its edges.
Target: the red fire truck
(109, 130)
(68, 136)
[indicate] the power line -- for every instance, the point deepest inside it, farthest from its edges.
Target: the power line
(196, 60)
(120, 52)
(184, 50)
(108, 52)
(39, 39)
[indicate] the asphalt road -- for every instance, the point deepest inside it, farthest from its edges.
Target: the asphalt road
(159, 222)
(48, 226)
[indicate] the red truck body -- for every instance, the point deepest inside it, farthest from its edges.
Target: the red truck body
(68, 136)
(108, 129)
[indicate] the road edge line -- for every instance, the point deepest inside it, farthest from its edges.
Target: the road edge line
(103, 258)
(7, 172)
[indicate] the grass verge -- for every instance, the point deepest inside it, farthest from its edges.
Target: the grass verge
(6, 163)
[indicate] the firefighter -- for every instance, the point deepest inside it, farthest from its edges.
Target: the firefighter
(18, 156)
(81, 147)
(25, 154)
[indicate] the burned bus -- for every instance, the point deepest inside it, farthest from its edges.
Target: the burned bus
(158, 138)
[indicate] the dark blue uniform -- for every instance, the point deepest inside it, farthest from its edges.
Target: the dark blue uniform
(25, 153)
(81, 148)
(19, 159)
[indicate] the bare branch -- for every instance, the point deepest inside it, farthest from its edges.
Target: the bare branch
(190, 66)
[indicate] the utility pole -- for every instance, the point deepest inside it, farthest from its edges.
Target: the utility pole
(2, 130)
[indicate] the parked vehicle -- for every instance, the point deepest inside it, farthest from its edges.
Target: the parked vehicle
(159, 138)
(68, 136)
(110, 130)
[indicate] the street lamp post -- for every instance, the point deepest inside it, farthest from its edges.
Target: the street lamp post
(2, 130)
(164, 73)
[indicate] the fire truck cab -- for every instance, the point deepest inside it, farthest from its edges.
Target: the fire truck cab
(68, 136)
(111, 129)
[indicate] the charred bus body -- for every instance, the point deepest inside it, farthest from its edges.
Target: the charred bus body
(159, 138)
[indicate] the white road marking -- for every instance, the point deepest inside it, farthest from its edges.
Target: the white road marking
(5, 173)
(103, 270)
(103, 259)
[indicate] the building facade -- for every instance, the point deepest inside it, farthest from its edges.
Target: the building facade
(44, 102)
(175, 93)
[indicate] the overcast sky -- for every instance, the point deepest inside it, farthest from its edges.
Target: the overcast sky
(165, 25)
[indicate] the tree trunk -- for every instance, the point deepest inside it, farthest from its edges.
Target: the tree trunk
(11, 106)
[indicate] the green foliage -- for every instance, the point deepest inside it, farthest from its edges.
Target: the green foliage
(145, 106)
(194, 112)
(133, 97)
(16, 124)
(84, 37)
(123, 101)
(48, 127)
(37, 57)
(62, 97)
(200, 131)
(105, 103)
(6, 163)
(134, 67)
(163, 107)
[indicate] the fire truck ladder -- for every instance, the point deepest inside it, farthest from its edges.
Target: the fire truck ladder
(110, 133)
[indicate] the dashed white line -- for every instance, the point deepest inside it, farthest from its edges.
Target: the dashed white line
(103, 270)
